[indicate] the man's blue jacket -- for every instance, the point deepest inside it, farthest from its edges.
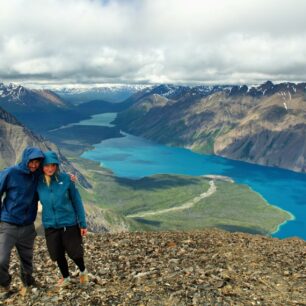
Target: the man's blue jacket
(19, 185)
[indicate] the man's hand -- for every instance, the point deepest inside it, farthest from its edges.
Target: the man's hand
(83, 231)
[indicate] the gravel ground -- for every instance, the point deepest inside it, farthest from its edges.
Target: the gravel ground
(208, 267)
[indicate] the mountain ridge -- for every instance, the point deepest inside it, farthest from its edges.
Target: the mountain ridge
(17, 98)
(230, 121)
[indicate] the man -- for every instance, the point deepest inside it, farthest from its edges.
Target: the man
(18, 211)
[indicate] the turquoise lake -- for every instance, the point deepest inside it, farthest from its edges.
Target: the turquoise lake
(135, 157)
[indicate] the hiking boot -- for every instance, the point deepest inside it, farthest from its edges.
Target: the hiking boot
(84, 277)
(28, 280)
(64, 282)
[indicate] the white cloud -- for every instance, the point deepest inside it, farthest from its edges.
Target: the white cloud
(91, 41)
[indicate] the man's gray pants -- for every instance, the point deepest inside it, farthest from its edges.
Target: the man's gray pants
(22, 237)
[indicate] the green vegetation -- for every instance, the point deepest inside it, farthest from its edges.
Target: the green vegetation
(206, 146)
(204, 141)
(232, 207)
(133, 196)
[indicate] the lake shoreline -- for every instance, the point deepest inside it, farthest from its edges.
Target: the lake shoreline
(292, 218)
(260, 179)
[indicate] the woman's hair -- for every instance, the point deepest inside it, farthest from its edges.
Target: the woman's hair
(47, 178)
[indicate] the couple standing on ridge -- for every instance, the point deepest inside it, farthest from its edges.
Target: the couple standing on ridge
(37, 177)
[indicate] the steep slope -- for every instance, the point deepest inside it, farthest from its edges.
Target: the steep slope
(175, 268)
(270, 134)
(15, 137)
(264, 125)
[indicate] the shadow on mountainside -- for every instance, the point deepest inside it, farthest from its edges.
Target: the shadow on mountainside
(242, 229)
(148, 222)
(160, 181)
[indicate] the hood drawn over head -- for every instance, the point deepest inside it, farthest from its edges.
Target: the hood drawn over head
(28, 154)
(51, 158)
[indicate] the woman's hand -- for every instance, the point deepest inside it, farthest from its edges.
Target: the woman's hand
(73, 177)
(83, 231)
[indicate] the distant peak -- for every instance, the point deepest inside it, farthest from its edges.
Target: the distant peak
(268, 83)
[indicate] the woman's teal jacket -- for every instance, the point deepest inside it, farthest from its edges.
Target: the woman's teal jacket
(61, 201)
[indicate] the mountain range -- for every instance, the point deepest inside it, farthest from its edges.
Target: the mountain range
(262, 124)
(111, 93)
(43, 110)
(258, 124)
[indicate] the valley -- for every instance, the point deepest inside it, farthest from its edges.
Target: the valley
(160, 201)
(177, 171)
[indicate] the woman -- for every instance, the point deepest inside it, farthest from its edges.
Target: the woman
(63, 218)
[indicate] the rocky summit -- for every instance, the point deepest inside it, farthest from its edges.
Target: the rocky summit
(208, 267)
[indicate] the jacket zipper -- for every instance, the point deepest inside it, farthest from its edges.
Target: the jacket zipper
(26, 215)
(52, 204)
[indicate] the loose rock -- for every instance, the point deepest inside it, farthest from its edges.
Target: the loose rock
(208, 267)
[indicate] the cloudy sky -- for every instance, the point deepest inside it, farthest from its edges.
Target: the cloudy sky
(152, 41)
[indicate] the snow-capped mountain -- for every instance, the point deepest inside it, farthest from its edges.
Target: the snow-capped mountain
(13, 97)
(174, 92)
(109, 93)
(12, 92)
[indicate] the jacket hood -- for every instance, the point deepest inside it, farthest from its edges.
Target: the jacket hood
(50, 158)
(28, 154)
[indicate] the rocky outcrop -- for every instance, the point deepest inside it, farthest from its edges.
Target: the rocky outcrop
(174, 268)
(263, 125)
